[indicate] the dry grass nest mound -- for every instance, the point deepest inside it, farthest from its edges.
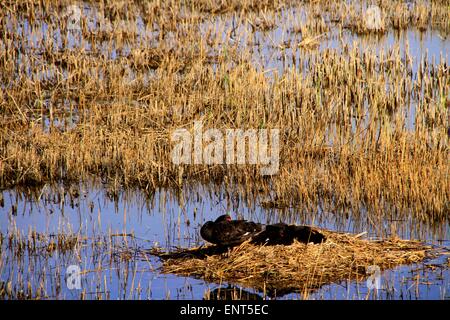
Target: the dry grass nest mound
(280, 269)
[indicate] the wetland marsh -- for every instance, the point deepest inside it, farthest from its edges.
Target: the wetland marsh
(92, 92)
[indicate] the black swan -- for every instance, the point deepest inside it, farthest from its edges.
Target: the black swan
(281, 233)
(228, 233)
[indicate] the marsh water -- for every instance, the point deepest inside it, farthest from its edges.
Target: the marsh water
(131, 223)
(119, 228)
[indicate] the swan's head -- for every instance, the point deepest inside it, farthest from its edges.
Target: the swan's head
(225, 217)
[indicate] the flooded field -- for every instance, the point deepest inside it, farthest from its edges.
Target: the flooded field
(110, 241)
(114, 127)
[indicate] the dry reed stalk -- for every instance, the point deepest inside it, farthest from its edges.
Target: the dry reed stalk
(76, 113)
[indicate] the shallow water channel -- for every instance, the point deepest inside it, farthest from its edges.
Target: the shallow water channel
(110, 223)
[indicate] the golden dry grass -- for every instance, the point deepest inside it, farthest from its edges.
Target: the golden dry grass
(71, 113)
(104, 110)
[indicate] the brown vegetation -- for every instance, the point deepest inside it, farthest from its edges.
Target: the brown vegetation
(277, 270)
(107, 111)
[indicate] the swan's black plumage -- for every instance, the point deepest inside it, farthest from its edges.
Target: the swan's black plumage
(226, 232)
(281, 233)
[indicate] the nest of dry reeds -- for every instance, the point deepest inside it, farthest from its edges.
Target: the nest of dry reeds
(276, 270)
